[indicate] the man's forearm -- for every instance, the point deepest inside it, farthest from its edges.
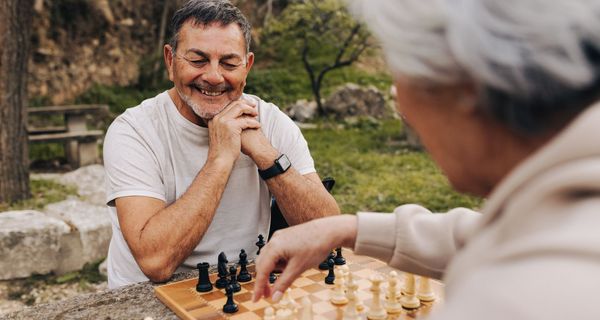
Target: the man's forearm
(170, 236)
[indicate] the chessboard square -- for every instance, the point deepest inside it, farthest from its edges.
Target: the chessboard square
(244, 314)
(323, 294)
(253, 306)
(338, 313)
(317, 277)
(315, 287)
(242, 296)
(323, 307)
(249, 286)
(207, 312)
(218, 303)
(298, 293)
(311, 272)
(302, 282)
(213, 295)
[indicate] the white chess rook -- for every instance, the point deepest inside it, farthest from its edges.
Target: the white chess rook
(269, 313)
(376, 312)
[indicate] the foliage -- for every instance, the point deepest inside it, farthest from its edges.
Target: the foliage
(319, 36)
(376, 171)
(43, 192)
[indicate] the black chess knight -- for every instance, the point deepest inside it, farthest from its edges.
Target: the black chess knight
(222, 271)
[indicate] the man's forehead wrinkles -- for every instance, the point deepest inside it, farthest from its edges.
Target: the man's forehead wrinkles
(225, 56)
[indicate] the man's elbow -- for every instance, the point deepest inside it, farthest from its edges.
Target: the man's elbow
(156, 269)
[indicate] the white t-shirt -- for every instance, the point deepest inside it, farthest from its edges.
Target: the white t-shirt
(152, 150)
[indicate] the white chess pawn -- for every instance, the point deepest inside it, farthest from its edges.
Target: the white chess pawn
(409, 300)
(425, 292)
(360, 307)
(350, 312)
(269, 313)
(307, 312)
(391, 303)
(376, 312)
(338, 295)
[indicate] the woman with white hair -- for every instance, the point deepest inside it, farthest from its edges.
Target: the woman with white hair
(505, 96)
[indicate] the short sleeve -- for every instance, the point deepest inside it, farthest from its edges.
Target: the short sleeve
(131, 166)
(288, 139)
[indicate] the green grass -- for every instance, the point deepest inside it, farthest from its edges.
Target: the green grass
(375, 170)
(43, 192)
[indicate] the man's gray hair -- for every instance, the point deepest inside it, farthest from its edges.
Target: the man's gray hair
(206, 12)
(530, 59)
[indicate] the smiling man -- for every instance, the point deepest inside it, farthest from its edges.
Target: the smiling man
(190, 172)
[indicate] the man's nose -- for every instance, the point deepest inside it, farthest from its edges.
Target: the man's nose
(213, 75)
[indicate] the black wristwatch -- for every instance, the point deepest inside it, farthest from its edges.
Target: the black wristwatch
(281, 165)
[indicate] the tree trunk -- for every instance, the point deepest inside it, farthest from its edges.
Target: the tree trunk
(15, 25)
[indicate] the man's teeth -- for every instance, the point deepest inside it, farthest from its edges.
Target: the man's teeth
(212, 93)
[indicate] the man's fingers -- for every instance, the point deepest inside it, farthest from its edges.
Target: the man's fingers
(239, 107)
(285, 279)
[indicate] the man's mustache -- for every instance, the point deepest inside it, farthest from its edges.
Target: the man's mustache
(208, 87)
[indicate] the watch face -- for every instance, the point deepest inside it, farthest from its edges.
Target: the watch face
(284, 162)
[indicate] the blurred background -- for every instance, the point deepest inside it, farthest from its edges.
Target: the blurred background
(312, 60)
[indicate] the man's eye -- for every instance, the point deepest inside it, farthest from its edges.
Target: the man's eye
(198, 62)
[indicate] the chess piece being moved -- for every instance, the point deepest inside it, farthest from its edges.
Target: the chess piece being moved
(391, 303)
(376, 312)
(339, 259)
(272, 277)
(269, 313)
(230, 306)
(244, 275)
(222, 282)
(260, 243)
(204, 284)
(338, 295)
(330, 278)
(408, 299)
(425, 292)
(233, 279)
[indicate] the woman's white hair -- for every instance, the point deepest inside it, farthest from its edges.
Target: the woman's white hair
(508, 45)
(439, 40)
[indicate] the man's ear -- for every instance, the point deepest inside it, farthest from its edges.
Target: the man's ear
(168, 55)
(250, 61)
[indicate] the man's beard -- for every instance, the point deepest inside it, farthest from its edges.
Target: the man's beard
(207, 115)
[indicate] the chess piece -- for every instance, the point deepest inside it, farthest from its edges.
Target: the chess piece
(230, 306)
(330, 278)
(233, 279)
(339, 259)
(338, 295)
(272, 277)
(307, 312)
(425, 292)
(284, 314)
(408, 299)
(222, 282)
(391, 303)
(269, 313)
(323, 265)
(204, 284)
(350, 312)
(244, 275)
(260, 243)
(376, 312)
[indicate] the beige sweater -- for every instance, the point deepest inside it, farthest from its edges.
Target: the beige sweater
(533, 253)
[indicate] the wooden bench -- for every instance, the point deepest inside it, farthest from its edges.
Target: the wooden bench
(81, 144)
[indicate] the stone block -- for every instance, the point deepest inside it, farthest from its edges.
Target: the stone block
(30, 242)
(90, 232)
(89, 181)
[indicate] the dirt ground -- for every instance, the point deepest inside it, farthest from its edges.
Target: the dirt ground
(18, 294)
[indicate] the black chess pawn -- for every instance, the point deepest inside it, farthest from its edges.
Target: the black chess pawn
(230, 306)
(323, 265)
(339, 259)
(272, 277)
(244, 275)
(204, 284)
(330, 278)
(260, 243)
(222, 271)
(233, 279)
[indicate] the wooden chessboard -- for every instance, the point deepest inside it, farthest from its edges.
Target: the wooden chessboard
(181, 297)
